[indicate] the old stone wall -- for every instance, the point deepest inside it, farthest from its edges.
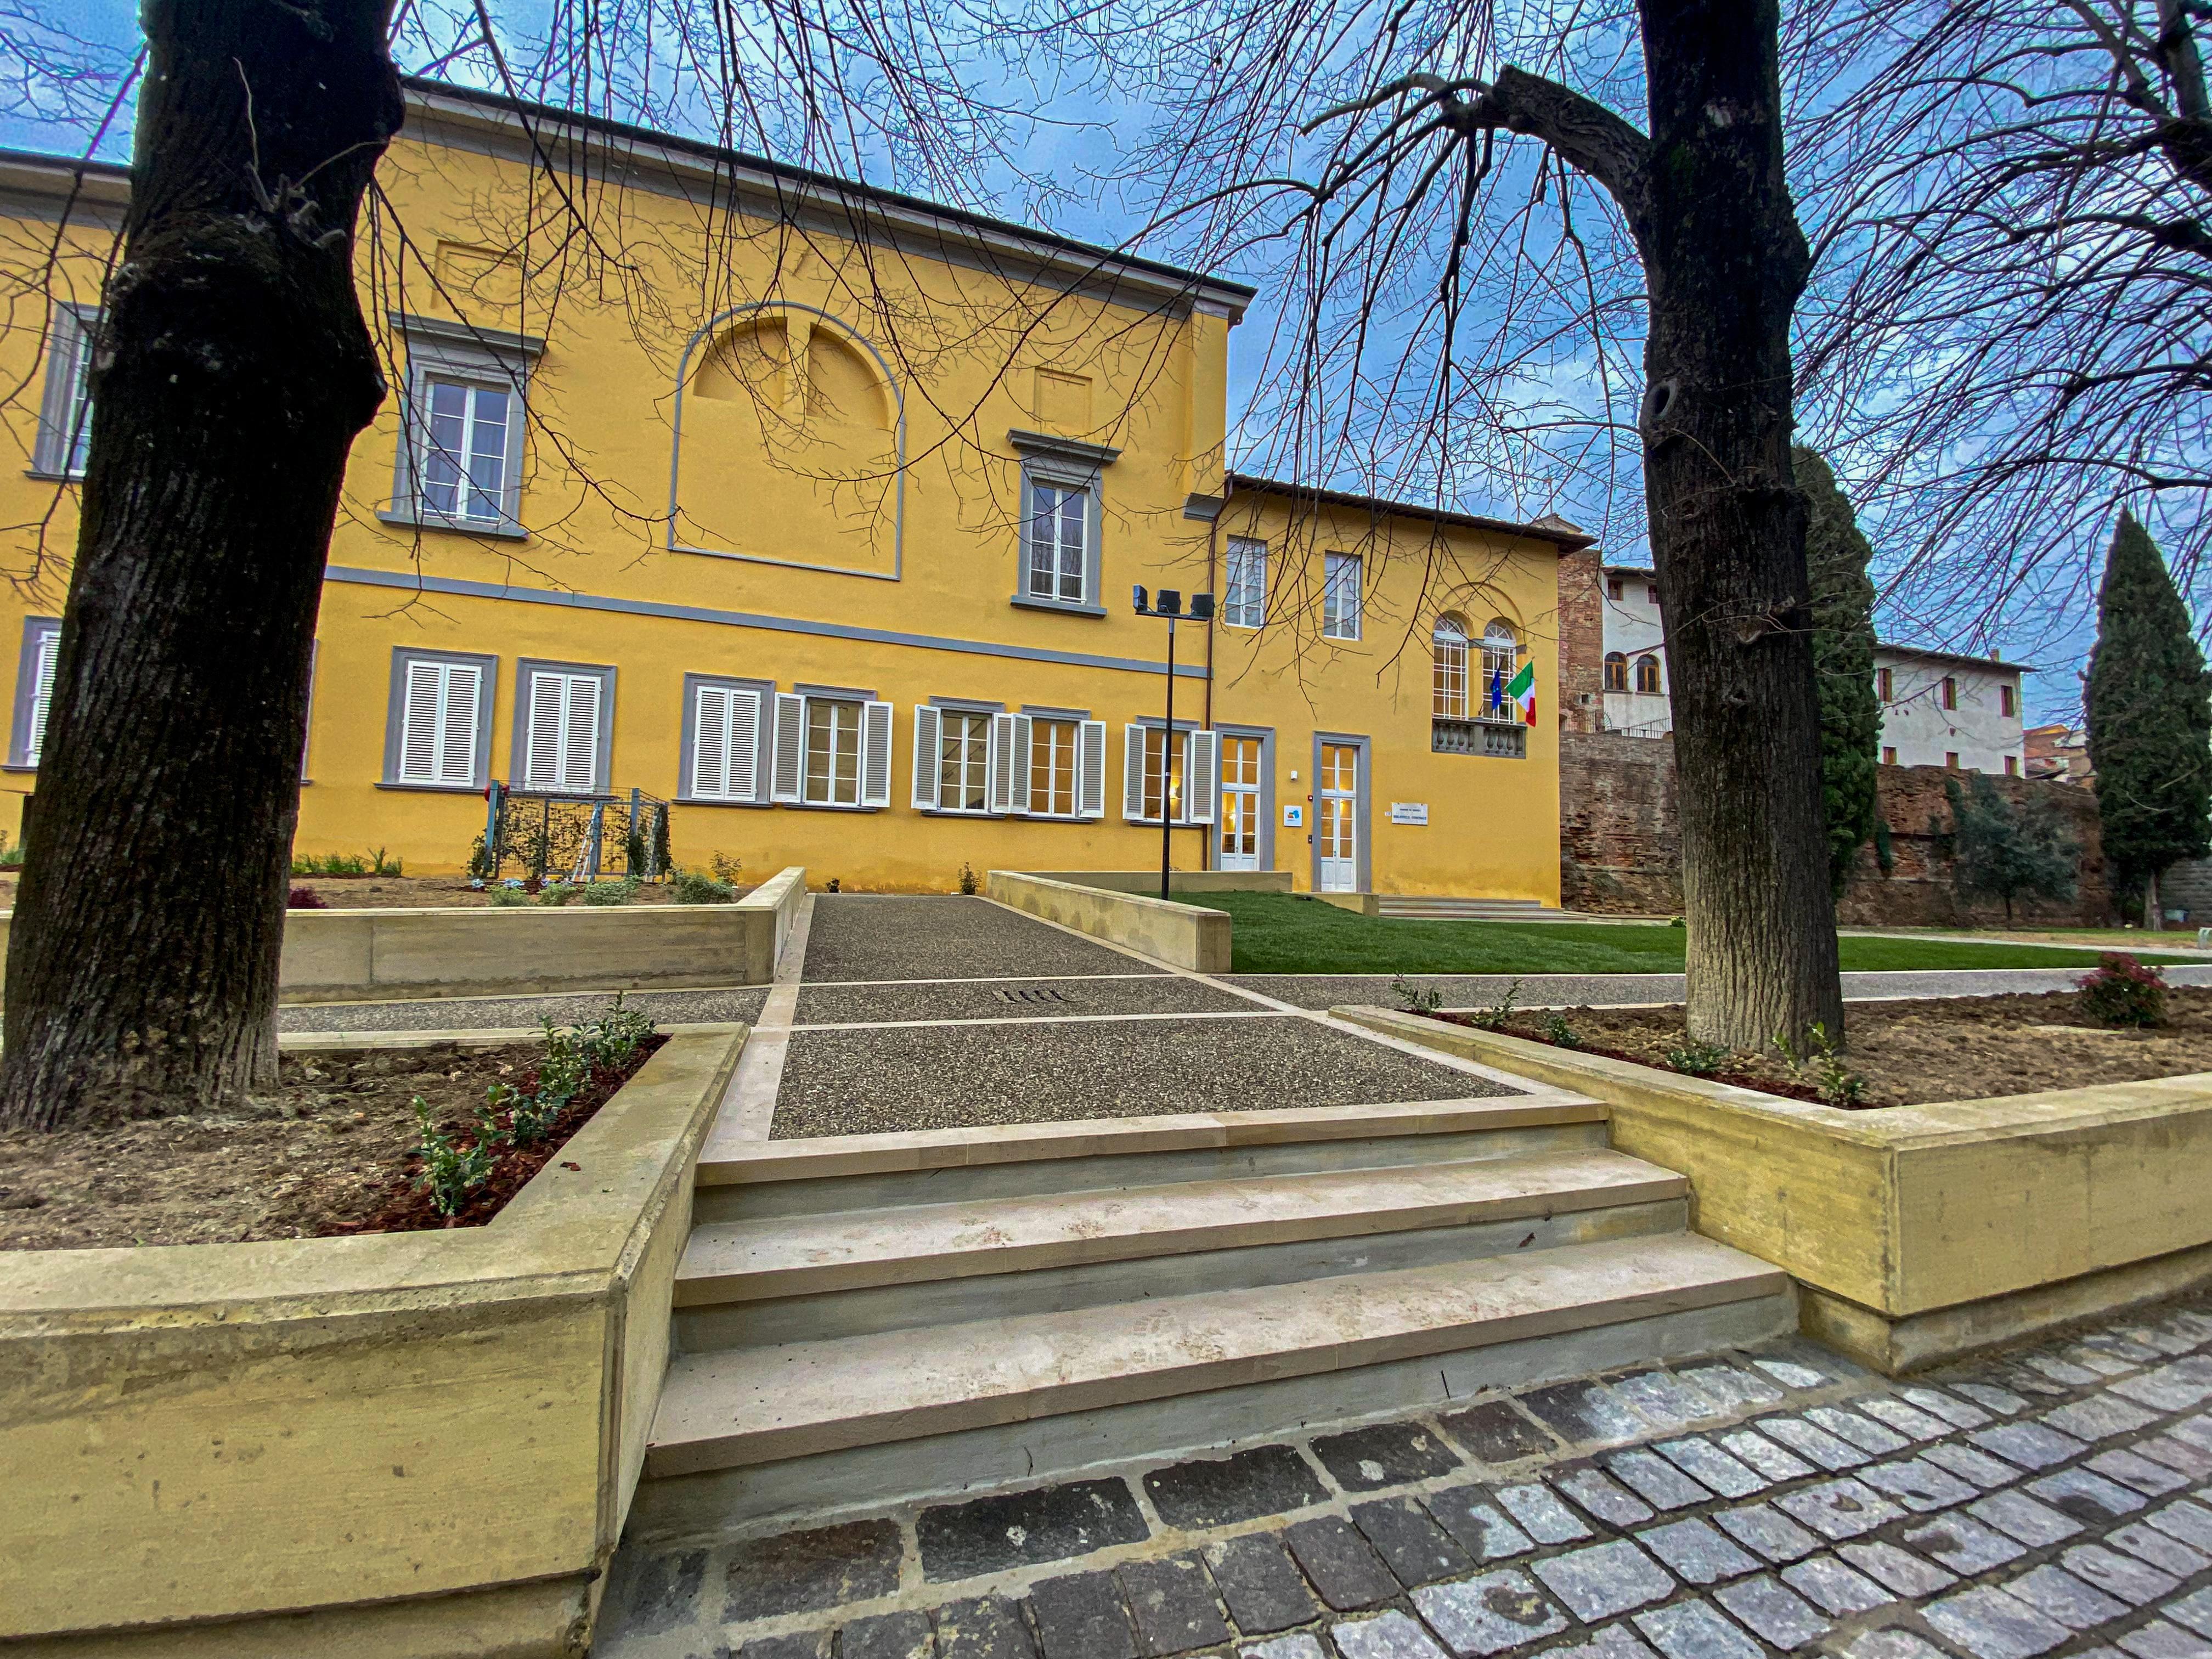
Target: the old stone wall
(1620, 850)
(1582, 641)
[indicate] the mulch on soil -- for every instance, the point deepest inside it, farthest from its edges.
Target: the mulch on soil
(332, 1151)
(1914, 1052)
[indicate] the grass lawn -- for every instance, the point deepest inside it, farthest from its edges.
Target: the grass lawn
(1277, 933)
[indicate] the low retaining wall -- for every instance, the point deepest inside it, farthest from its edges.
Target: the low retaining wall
(417, 1445)
(1179, 881)
(1180, 934)
(1918, 1232)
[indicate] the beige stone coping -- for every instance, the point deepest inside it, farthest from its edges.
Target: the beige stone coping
(1179, 881)
(332, 1430)
(1913, 1217)
(1182, 935)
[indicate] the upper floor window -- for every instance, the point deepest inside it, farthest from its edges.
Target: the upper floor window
(438, 734)
(1450, 700)
(1615, 588)
(564, 715)
(465, 430)
(1340, 597)
(461, 426)
(1501, 660)
(66, 409)
(1058, 518)
(1950, 692)
(1647, 674)
(1885, 684)
(1651, 591)
(1244, 597)
(832, 749)
(2008, 703)
(1062, 517)
(1616, 671)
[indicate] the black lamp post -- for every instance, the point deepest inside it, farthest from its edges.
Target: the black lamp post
(1168, 603)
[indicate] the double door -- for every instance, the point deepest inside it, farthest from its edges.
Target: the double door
(1238, 847)
(1336, 818)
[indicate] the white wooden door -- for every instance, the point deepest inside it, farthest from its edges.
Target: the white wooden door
(1338, 826)
(1239, 846)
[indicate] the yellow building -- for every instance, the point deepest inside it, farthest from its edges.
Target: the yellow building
(816, 510)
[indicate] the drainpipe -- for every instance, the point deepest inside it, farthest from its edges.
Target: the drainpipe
(1207, 832)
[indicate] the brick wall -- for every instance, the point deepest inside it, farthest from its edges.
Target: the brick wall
(1620, 850)
(1581, 642)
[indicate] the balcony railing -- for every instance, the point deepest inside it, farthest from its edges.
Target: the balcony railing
(1500, 739)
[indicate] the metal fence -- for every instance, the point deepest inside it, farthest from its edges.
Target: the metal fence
(541, 835)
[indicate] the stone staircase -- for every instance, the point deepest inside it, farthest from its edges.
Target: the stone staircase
(864, 1319)
(1466, 909)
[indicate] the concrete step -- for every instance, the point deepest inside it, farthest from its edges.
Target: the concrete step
(1468, 909)
(791, 1403)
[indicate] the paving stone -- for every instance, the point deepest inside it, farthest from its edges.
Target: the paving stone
(1668, 1400)
(1991, 1625)
(1763, 1454)
(1604, 1580)
(2087, 1495)
(1958, 1413)
(2160, 1640)
(2098, 1417)
(984, 1628)
(2003, 1401)
(2161, 1550)
(1766, 1531)
(1498, 1431)
(1691, 1629)
(2027, 1382)
(2194, 1611)
(1812, 1442)
(1839, 1509)
(1613, 1642)
(1601, 1497)
(812, 1570)
(1025, 1528)
(1900, 1569)
(2099, 1358)
(2175, 1453)
(1386, 1454)
(2135, 1583)
(1918, 1484)
(1413, 1547)
(1696, 1552)
(1655, 1481)
(2030, 1445)
(1392, 1636)
(1348, 1574)
(1583, 1412)
(1080, 1616)
(1962, 1544)
(1172, 1603)
(1467, 1514)
(1775, 1612)
(1300, 1646)
(1704, 1461)
(1792, 1376)
(2057, 1595)
(1837, 1589)
(808, 1644)
(1977, 1468)
(1263, 1587)
(888, 1636)
(2133, 1469)
(1492, 1613)
(2179, 1386)
(1910, 1421)
(2124, 1343)
(1733, 1385)
(2190, 1522)
(1888, 1645)
(2197, 1431)
(2063, 1371)
(1863, 1432)
(1216, 1491)
(2018, 1516)
(1541, 1514)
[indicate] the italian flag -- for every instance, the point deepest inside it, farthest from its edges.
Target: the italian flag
(1522, 691)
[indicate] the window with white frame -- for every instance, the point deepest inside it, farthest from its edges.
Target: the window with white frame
(1182, 773)
(566, 715)
(1058, 536)
(460, 460)
(1448, 699)
(963, 761)
(1339, 596)
(722, 750)
(440, 731)
(833, 749)
(66, 412)
(464, 443)
(1244, 600)
(833, 753)
(1053, 767)
(1501, 660)
(34, 689)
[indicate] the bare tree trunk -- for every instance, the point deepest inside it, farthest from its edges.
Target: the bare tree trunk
(1726, 263)
(2154, 912)
(232, 373)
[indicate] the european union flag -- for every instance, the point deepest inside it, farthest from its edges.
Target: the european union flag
(1497, 689)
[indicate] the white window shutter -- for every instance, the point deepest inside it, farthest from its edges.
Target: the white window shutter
(418, 725)
(1019, 789)
(541, 763)
(875, 754)
(1201, 775)
(456, 743)
(999, 789)
(42, 688)
(928, 727)
(790, 778)
(579, 747)
(1133, 773)
(1090, 769)
(744, 743)
(713, 721)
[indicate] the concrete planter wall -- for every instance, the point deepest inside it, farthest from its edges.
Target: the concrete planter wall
(1179, 881)
(1917, 1232)
(1179, 933)
(415, 1445)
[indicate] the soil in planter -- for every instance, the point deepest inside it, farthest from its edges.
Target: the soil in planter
(331, 1149)
(407, 892)
(1939, 1048)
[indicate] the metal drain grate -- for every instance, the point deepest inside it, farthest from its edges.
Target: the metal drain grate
(1033, 994)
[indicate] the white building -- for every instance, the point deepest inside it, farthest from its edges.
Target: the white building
(1938, 708)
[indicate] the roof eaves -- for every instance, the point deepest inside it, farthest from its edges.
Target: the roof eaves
(1567, 540)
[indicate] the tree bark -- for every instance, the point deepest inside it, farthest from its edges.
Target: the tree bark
(2154, 909)
(1725, 263)
(232, 371)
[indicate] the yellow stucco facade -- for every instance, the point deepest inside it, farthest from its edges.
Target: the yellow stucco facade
(743, 488)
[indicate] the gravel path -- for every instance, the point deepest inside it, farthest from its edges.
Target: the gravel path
(502, 1013)
(858, 936)
(1046, 998)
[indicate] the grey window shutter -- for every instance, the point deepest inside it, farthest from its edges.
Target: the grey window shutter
(1000, 793)
(1133, 773)
(1090, 769)
(790, 747)
(1018, 790)
(1201, 775)
(927, 740)
(875, 754)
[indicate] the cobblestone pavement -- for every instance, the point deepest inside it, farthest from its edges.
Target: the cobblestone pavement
(2055, 1500)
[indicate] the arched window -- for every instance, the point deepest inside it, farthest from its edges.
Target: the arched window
(1647, 674)
(1450, 638)
(1501, 660)
(1616, 672)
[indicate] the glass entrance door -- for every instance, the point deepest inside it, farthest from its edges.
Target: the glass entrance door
(1337, 831)
(1239, 847)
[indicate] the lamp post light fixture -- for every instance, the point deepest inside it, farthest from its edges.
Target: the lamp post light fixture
(1167, 602)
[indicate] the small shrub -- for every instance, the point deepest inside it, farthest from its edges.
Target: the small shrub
(1822, 1068)
(11, 854)
(380, 866)
(449, 1173)
(1416, 999)
(969, 884)
(304, 898)
(554, 894)
(726, 868)
(695, 887)
(1493, 1017)
(1695, 1058)
(613, 1036)
(1559, 1033)
(506, 898)
(2122, 991)
(330, 864)
(480, 863)
(609, 892)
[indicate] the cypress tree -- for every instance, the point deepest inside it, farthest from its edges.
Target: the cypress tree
(1836, 560)
(2148, 702)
